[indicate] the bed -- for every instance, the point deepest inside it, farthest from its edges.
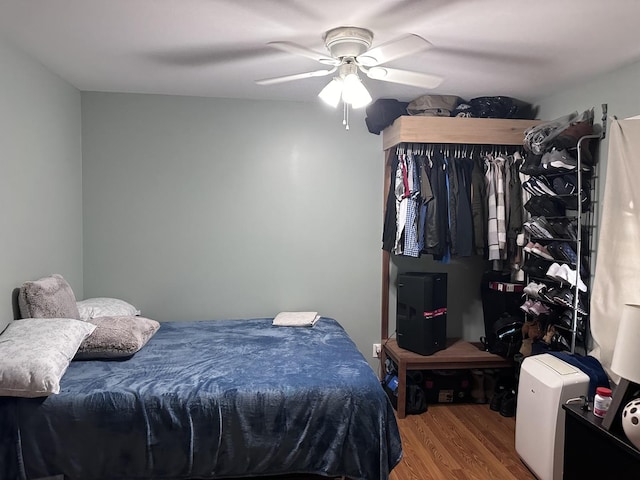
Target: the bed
(210, 399)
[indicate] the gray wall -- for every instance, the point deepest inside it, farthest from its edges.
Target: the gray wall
(41, 179)
(200, 208)
(619, 90)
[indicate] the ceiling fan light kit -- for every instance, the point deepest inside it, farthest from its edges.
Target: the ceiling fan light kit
(350, 51)
(348, 87)
(332, 92)
(354, 92)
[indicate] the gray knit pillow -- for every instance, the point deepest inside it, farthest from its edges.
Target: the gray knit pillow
(47, 297)
(117, 337)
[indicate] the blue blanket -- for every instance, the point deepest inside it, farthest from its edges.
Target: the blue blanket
(210, 399)
(589, 365)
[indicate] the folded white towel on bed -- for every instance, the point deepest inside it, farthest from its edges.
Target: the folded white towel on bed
(296, 319)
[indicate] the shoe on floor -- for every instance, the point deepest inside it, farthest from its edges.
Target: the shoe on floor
(490, 383)
(477, 386)
(496, 400)
(508, 404)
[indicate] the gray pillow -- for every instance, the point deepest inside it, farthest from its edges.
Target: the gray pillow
(47, 297)
(36, 352)
(117, 337)
(105, 307)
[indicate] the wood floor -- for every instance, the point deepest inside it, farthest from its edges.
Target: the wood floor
(461, 441)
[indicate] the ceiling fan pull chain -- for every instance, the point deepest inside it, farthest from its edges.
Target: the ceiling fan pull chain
(345, 115)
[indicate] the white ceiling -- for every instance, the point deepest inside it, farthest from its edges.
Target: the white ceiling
(520, 48)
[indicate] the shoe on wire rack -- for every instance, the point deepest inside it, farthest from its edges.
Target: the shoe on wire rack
(552, 272)
(567, 274)
(541, 251)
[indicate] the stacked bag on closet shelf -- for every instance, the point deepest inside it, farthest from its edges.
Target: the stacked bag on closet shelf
(479, 107)
(384, 111)
(550, 173)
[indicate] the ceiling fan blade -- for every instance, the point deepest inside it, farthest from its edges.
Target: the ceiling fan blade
(209, 56)
(305, 52)
(295, 76)
(404, 77)
(398, 48)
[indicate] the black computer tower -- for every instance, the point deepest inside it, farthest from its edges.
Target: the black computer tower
(421, 315)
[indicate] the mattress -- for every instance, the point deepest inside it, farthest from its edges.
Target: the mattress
(210, 399)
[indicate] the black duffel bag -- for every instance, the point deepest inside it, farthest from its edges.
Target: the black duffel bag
(383, 112)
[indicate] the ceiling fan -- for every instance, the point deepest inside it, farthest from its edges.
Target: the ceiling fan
(350, 52)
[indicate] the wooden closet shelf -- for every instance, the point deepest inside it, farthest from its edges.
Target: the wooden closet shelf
(459, 354)
(456, 130)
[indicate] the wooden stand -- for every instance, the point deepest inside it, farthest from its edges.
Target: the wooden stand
(458, 355)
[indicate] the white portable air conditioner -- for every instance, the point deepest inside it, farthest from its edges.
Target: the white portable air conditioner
(546, 382)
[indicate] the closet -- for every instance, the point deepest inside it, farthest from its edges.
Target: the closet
(459, 354)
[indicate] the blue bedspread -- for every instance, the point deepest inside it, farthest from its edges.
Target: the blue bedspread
(210, 399)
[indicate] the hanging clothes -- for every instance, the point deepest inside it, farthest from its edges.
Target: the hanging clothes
(401, 195)
(479, 206)
(493, 242)
(497, 230)
(389, 227)
(501, 210)
(437, 237)
(454, 193)
(432, 225)
(464, 234)
(446, 203)
(411, 248)
(426, 196)
(516, 207)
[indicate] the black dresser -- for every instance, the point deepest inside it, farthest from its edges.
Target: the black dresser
(590, 451)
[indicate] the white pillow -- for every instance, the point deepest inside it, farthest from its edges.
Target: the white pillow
(36, 352)
(105, 307)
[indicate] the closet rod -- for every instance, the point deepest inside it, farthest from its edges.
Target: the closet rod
(457, 150)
